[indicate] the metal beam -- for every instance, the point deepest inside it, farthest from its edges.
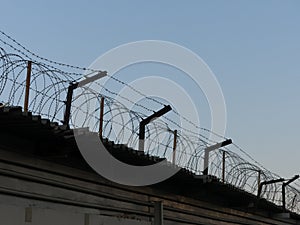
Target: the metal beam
(144, 122)
(219, 145)
(211, 148)
(92, 78)
(157, 114)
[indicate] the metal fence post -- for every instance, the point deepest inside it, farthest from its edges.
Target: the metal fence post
(101, 118)
(174, 146)
(223, 167)
(27, 88)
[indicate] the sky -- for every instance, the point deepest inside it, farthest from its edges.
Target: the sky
(253, 48)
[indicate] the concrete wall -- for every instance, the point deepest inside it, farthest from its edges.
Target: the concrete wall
(43, 193)
(20, 211)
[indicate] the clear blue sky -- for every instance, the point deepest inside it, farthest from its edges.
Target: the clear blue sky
(253, 47)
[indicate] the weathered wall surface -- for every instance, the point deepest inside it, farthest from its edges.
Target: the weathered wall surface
(18, 211)
(37, 192)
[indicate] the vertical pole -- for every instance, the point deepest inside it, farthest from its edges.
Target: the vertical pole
(158, 213)
(283, 197)
(142, 136)
(101, 118)
(223, 167)
(27, 86)
(206, 156)
(69, 103)
(174, 146)
(258, 179)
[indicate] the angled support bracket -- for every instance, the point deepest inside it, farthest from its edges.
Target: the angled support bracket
(283, 190)
(266, 183)
(211, 148)
(144, 122)
(71, 89)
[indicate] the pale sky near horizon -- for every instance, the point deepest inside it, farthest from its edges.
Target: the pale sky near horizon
(253, 48)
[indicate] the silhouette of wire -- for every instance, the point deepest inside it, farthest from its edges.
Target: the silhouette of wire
(48, 89)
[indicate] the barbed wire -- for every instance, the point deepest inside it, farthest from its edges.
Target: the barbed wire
(91, 72)
(48, 90)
